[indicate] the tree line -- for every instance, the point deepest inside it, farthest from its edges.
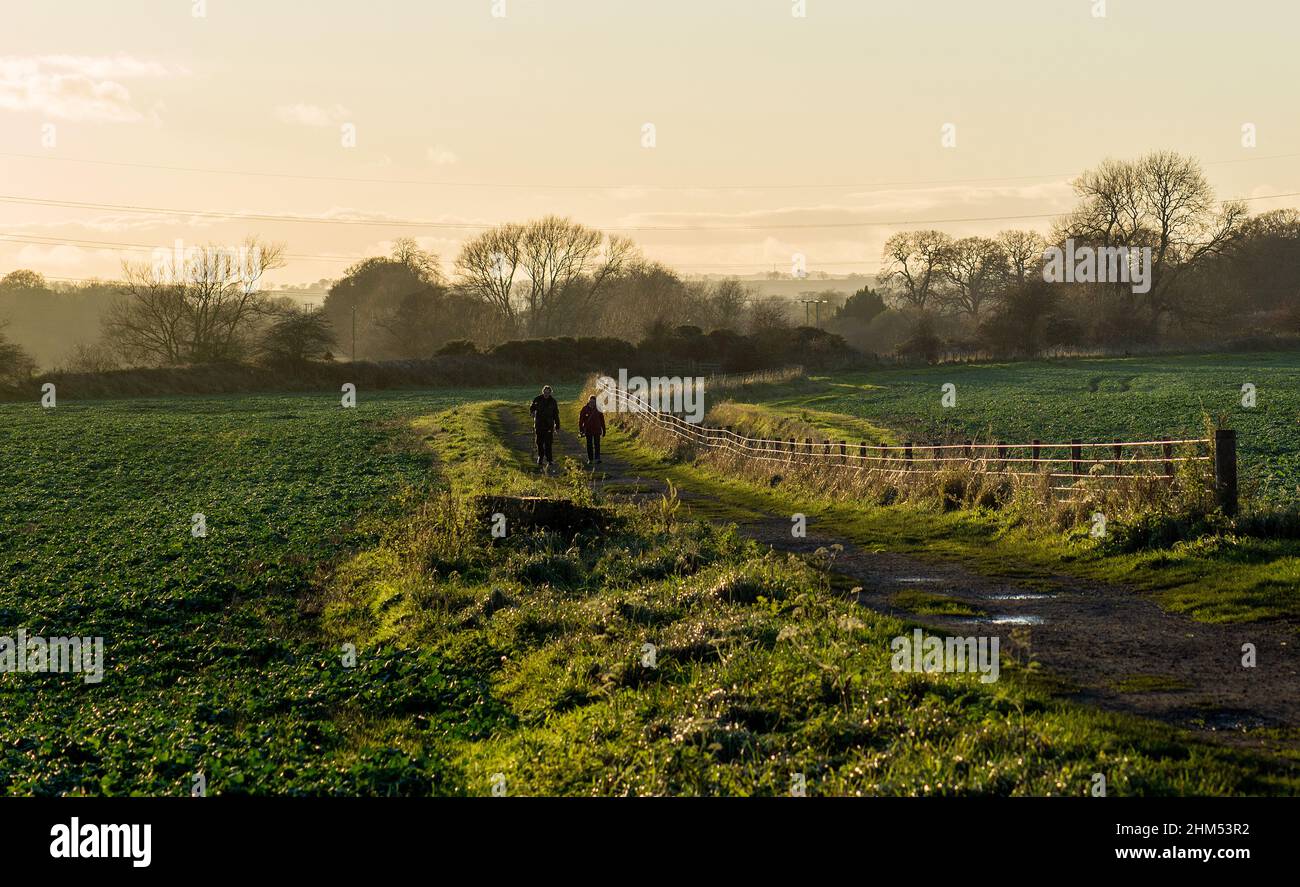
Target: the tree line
(1217, 274)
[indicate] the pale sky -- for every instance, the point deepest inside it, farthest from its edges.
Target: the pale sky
(794, 127)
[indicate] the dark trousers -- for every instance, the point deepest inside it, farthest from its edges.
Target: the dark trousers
(593, 447)
(545, 436)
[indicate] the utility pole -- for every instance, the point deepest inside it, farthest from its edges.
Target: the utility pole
(819, 303)
(806, 303)
(354, 333)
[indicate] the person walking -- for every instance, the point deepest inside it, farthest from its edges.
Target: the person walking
(546, 421)
(591, 425)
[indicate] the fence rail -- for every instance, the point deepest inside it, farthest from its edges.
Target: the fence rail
(1153, 460)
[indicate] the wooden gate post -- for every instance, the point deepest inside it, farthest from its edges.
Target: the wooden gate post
(1076, 457)
(1225, 470)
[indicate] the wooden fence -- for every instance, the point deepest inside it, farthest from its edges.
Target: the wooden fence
(1062, 464)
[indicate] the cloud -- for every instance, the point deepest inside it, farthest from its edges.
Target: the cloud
(62, 257)
(441, 156)
(879, 206)
(303, 114)
(80, 88)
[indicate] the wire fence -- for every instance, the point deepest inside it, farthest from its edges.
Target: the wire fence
(1063, 464)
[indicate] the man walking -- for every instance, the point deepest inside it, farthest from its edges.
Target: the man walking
(546, 421)
(591, 425)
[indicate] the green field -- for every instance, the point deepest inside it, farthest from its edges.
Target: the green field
(1092, 399)
(208, 657)
(329, 527)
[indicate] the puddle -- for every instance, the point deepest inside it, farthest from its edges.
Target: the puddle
(1023, 596)
(1000, 619)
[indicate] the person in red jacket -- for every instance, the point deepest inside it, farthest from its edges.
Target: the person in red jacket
(591, 425)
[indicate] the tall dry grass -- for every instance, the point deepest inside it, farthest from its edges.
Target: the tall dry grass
(978, 482)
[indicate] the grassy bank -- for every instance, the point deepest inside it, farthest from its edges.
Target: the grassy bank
(759, 672)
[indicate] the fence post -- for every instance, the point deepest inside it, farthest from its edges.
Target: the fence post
(1076, 457)
(968, 453)
(1034, 452)
(1119, 469)
(794, 448)
(727, 439)
(1002, 456)
(862, 453)
(1168, 450)
(844, 452)
(907, 454)
(1225, 470)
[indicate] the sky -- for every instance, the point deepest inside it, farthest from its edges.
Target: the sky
(780, 127)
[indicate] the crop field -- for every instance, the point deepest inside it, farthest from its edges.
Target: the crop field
(1091, 399)
(329, 528)
(205, 657)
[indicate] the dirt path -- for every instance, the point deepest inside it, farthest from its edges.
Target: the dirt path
(1109, 646)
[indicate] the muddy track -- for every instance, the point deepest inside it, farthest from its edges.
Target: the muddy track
(1108, 646)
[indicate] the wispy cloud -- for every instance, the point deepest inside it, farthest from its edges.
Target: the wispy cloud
(441, 156)
(80, 88)
(303, 114)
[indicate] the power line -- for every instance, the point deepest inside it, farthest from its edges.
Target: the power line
(760, 265)
(103, 280)
(41, 240)
(411, 223)
(808, 186)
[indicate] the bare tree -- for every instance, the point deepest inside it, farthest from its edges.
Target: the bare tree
(914, 262)
(643, 294)
(772, 313)
(723, 306)
(424, 263)
(561, 265)
(488, 265)
(976, 268)
(1024, 252)
(1162, 201)
(567, 265)
(195, 308)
